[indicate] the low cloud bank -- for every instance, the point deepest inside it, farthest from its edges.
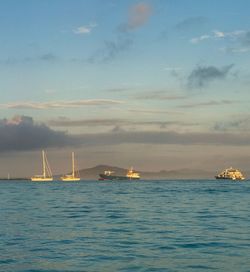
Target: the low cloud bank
(21, 133)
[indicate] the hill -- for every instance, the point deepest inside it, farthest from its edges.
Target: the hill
(93, 173)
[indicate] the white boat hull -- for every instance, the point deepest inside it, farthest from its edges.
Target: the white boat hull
(41, 179)
(69, 179)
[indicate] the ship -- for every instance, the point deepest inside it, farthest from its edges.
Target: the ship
(47, 174)
(75, 175)
(231, 173)
(110, 175)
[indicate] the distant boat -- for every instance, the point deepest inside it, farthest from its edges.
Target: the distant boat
(75, 176)
(109, 175)
(230, 173)
(47, 174)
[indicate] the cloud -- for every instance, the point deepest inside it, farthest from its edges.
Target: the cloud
(154, 111)
(165, 138)
(60, 104)
(48, 57)
(203, 75)
(113, 122)
(191, 23)
(81, 30)
(238, 40)
(21, 133)
(209, 103)
(199, 39)
(111, 49)
(139, 15)
(239, 124)
(159, 95)
(220, 35)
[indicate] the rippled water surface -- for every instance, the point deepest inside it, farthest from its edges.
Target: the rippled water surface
(125, 226)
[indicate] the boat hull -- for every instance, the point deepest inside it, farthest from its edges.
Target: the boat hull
(70, 179)
(228, 178)
(41, 179)
(113, 177)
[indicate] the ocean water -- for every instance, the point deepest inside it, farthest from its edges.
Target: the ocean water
(95, 226)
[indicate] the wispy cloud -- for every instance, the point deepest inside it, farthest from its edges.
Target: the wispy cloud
(238, 40)
(165, 138)
(234, 124)
(159, 95)
(217, 35)
(191, 23)
(111, 49)
(22, 133)
(209, 103)
(114, 122)
(60, 104)
(139, 15)
(201, 76)
(81, 30)
(154, 111)
(46, 57)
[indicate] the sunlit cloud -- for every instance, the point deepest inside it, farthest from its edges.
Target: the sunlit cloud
(60, 104)
(209, 103)
(139, 14)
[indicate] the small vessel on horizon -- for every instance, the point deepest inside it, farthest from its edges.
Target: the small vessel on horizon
(109, 175)
(47, 173)
(231, 173)
(75, 176)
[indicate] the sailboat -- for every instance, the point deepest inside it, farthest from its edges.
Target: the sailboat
(47, 174)
(75, 176)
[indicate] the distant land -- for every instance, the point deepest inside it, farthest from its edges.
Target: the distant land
(93, 173)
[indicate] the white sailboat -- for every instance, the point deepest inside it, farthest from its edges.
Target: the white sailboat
(47, 174)
(75, 176)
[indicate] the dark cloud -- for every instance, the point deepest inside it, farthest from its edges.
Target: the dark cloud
(191, 23)
(21, 133)
(201, 76)
(112, 49)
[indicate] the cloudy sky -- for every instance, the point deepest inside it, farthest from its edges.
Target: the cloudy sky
(157, 84)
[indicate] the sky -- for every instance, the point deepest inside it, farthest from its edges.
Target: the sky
(154, 84)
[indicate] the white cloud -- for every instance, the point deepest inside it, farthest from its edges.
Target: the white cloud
(84, 29)
(199, 39)
(217, 34)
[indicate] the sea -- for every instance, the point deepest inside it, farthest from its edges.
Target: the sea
(171, 225)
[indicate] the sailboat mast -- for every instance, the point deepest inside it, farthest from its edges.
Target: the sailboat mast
(44, 171)
(73, 164)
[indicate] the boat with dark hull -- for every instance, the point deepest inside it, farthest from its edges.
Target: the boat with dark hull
(110, 175)
(232, 174)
